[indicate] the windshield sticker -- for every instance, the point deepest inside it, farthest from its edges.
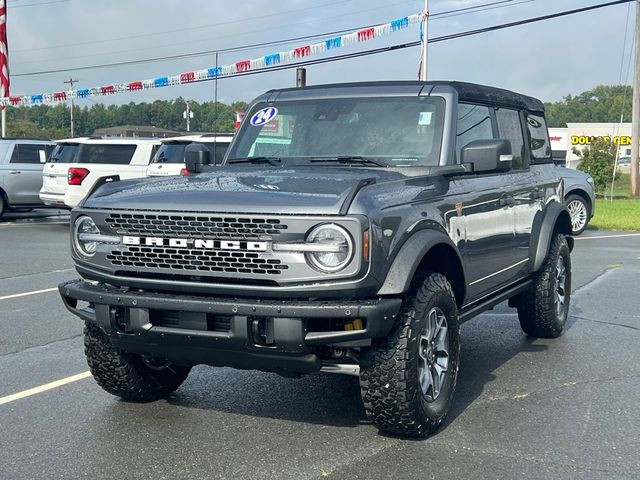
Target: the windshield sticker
(264, 116)
(425, 118)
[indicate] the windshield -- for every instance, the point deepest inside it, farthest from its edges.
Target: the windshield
(397, 132)
(173, 152)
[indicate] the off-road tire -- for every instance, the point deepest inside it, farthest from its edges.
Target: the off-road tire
(389, 378)
(537, 306)
(587, 212)
(126, 375)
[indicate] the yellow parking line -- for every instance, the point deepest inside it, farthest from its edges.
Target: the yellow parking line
(25, 294)
(44, 388)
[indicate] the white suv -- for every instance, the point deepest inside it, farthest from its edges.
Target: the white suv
(169, 159)
(77, 163)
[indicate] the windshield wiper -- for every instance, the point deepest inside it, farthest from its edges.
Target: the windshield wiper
(269, 160)
(348, 159)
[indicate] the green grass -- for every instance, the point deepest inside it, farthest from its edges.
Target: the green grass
(621, 187)
(619, 214)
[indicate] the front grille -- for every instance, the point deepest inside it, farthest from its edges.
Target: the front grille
(195, 260)
(191, 225)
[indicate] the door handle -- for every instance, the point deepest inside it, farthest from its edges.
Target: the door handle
(507, 201)
(14, 172)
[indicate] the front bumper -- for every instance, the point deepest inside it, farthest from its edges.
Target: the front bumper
(269, 335)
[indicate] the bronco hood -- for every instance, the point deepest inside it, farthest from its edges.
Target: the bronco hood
(317, 190)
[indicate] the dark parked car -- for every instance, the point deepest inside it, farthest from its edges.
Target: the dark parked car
(385, 215)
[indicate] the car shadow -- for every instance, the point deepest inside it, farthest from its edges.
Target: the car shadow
(488, 343)
(324, 399)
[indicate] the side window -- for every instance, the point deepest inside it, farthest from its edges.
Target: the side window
(510, 129)
(540, 145)
(474, 123)
(27, 153)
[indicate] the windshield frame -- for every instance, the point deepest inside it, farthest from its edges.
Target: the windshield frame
(441, 109)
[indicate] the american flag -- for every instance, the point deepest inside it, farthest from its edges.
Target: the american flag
(4, 51)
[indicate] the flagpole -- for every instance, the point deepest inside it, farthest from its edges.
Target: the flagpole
(425, 40)
(4, 63)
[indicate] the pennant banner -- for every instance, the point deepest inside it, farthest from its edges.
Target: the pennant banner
(270, 60)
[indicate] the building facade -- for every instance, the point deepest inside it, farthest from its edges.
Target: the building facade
(580, 135)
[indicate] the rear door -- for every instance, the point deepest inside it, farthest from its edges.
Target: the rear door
(484, 213)
(527, 193)
(24, 173)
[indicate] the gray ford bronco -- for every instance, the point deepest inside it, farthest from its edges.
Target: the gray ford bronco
(352, 229)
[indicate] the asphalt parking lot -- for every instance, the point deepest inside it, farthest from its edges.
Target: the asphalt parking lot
(564, 408)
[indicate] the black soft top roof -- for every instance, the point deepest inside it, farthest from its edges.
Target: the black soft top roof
(469, 92)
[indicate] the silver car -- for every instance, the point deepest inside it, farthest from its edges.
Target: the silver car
(21, 161)
(579, 197)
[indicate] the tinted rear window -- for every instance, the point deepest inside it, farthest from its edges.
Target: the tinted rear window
(106, 154)
(64, 153)
(93, 153)
(30, 153)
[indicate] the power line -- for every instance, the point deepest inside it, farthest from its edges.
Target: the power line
(36, 4)
(399, 46)
(624, 43)
(182, 56)
(417, 43)
(439, 15)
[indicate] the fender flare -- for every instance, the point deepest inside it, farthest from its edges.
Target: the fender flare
(555, 217)
(410, 255)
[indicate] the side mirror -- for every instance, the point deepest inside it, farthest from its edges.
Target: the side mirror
(488, 155)
(196, 155)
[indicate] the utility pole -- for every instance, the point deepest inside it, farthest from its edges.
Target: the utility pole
(71, 81)
(301, 77)
(188, 115)
(425, 42)
(635, 115)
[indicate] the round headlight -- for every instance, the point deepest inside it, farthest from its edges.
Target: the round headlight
(83, 230)
(334, 248)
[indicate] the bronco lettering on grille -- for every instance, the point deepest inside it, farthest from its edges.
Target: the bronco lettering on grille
(196, 243)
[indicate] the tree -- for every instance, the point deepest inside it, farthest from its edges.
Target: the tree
(603, 104)
(598, 160)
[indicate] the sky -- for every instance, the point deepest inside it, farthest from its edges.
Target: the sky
(547, 60)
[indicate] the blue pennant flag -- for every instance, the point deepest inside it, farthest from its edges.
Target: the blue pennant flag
(335, 42)
(161, 82)
(399, 24)
(214, 72)
(272, 59)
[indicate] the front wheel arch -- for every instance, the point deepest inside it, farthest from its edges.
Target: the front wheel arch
(425, 251)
